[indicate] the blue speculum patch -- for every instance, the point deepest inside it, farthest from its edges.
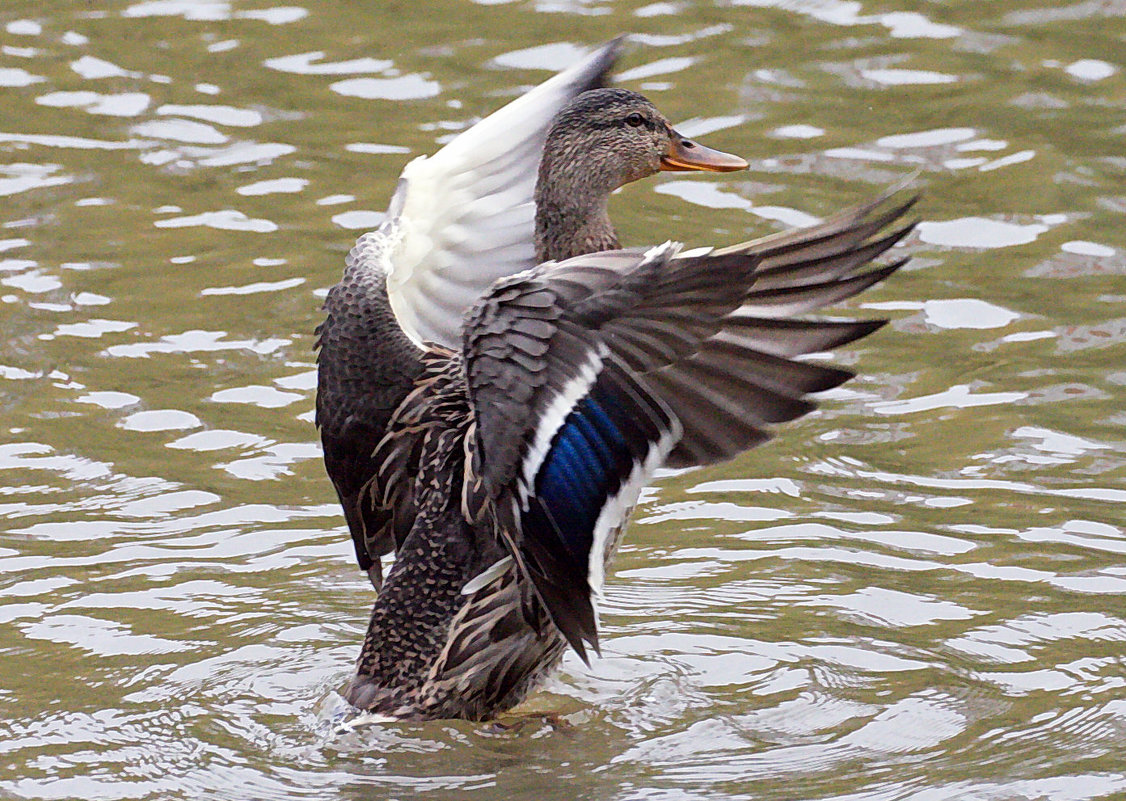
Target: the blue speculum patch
(589, 459)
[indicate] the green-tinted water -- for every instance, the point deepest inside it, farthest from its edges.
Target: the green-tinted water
(917, 593)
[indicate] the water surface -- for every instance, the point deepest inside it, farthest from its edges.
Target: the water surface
(916, 593)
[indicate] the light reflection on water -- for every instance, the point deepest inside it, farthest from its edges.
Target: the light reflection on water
(915, 593)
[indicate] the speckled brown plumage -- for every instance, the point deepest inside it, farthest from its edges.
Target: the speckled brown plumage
(432, 650)
(366, 363)
(366, 366)
(501, 469)
(486, 591)
(591, 150)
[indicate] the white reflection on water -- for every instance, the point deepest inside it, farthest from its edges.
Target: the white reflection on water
(964, 163)
(257, 395)
(93, 68)
(859, 154)
(100, 637)
(662, 66)
(403, 87)
(358, 219)
(671, 39)
(188, 131)
(34, 282)
(1011, 642)
(900, 24)
(912, 25)
(903, 77)
(915, 653)
(160, 420)
(275, 185)
(892, 608)
(226, 220)
(91, 329)
(122, 104)
(698, 126)
(555, 56)
(785, 486)
(213, 10)
(979, 232)
(1057, 443)
(1074, 533)
(798, 132)
(195, 341)
(23, 177)
(372, 147)
(10, 373)
(279, 15)
(959, 396)
(78, 142)
(916, 723)
(982, 144)
(218, 439)
(700, 510)
(274, 461)
(968, 484)
(24, 27)
(16, 265)
(914, 541)
(1082, 247)
(255, 288)
(1007, 161)
(1090, 69)
(311, 64)
(954, 313)
(109, 399)
(715, 197)
(221, 115)
(930, 138)
(704, 194)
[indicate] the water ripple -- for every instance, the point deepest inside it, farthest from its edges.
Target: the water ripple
(914, 593)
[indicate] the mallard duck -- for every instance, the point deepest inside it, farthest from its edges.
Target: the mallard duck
(459, 220)
(515, 424)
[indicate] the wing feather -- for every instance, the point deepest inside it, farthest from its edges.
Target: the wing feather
(467, 211)
(585, 375)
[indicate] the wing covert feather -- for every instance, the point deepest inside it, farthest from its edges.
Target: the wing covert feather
(586, 375)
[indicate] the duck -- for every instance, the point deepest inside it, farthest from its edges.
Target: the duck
(459, 220)
(515, 398)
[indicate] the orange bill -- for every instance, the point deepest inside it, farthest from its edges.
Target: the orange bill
(684, 154)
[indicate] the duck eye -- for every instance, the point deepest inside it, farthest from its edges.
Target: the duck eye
(635, 119)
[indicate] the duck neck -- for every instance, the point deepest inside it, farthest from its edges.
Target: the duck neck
(571, 209)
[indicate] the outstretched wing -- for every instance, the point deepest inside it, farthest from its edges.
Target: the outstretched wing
(457, 221)
(466, 213)
(586, 375)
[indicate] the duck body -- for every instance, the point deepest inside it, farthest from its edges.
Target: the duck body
(459, 219)
(477, 210)
(432, 649)
(455, 632)
(513, 462)
(367, 366)
(491, 415)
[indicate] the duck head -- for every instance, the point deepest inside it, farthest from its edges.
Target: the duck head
(602, 140)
